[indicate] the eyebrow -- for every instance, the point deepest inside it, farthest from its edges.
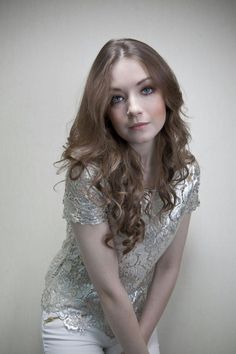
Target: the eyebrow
(138, 83)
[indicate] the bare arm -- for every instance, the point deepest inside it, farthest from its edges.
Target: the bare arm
(102, 266)
(164, 279)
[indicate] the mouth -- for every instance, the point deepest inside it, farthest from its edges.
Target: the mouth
(139, 125)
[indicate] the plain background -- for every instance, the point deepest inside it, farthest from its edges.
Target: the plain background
(47, 48)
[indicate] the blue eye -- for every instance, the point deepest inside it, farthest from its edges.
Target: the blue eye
(147, 90)
(116, 99)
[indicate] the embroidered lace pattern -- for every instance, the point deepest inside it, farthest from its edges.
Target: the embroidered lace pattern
(69, 293)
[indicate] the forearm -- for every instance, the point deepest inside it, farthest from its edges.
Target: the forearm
(164, 279)
(122, 319)
(158, 295)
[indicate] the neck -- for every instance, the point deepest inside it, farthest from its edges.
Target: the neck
(146, 153)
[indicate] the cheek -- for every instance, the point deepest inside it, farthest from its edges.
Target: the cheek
(161, 113)
(156, 106)
(116, 117)
(116, 122)
(161, 107)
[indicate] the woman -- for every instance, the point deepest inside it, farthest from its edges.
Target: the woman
(131, 185)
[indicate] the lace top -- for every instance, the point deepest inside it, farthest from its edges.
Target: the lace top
(69, 293)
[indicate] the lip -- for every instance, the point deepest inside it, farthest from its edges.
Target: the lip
(139, 125)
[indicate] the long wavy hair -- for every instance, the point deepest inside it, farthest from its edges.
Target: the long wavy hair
(92, 140)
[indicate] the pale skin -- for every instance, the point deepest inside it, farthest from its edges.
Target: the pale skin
(136, 100)
(131, 104)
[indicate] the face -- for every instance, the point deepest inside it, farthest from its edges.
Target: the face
(137, 110)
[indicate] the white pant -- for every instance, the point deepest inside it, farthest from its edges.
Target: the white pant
(57, 339)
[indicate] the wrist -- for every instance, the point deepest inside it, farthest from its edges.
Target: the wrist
(144, 333)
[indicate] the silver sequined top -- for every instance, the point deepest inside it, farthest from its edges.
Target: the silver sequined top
(69, 293)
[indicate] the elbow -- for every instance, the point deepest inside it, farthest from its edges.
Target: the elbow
(168, 267)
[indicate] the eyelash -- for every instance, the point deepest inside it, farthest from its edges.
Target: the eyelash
(145, 94)
(113, 100)
(148, 88)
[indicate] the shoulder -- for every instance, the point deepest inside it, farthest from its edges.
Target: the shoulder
(193, 172)
(194, 166)
(83, 202)
(81, 175)
(189, 189)
(188, 175)
(80, 183)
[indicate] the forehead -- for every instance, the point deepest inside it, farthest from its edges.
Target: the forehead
(127, 70)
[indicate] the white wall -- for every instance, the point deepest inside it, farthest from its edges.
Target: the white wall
(47, 48)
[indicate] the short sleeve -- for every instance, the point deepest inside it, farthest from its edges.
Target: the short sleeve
(83, 204)
(192, 186)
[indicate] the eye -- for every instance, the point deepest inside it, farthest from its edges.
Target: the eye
(116, 99)
(147, 90)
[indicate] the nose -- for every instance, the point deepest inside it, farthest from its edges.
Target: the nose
(133, 107)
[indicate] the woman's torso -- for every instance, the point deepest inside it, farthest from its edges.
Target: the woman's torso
(69, 292)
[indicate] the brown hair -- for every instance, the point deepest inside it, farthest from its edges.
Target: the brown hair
(92, 140)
